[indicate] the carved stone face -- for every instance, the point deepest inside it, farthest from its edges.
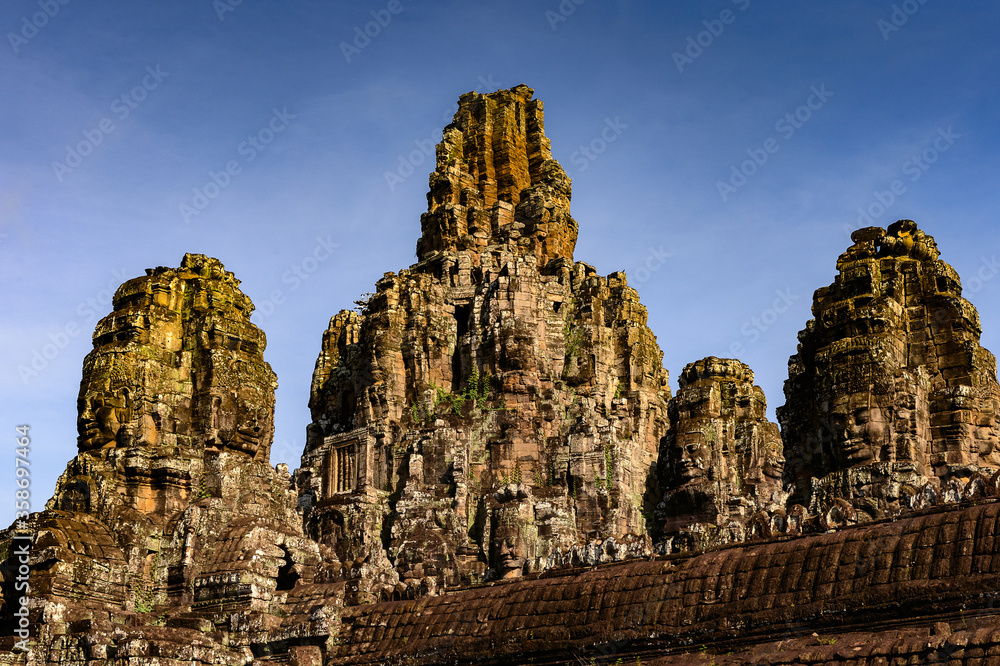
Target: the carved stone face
(750, 406)
(243, 423)
(508, 546)
(693, 444)
(510, 562)
(248, 437)
(510, 555)
(861, 428)
(986, 432)
(105, 405)
(693, 456)
(968, 427)
(101, 417)
(774, 463)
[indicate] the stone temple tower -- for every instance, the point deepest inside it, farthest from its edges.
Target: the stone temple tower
(496, 408)
(891, 400)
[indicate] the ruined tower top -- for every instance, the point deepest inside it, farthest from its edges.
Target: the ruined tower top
(495, 181)
(178, 365)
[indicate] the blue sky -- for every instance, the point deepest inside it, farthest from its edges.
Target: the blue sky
(307, 140)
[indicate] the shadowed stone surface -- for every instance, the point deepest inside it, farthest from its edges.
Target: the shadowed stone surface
(937, 573)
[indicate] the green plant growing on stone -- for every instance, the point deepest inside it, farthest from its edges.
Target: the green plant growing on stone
(598, 479)
(609, 463)
(143, 591)
(420, 416)
(572, 338)
(476, 392)
(144, 598)
(648, 516)
(443, 396)
(477, 389)
(484, 387)
(512, 476)
(618, 390)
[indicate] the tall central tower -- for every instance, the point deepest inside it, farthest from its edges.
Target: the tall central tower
(496, 408)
